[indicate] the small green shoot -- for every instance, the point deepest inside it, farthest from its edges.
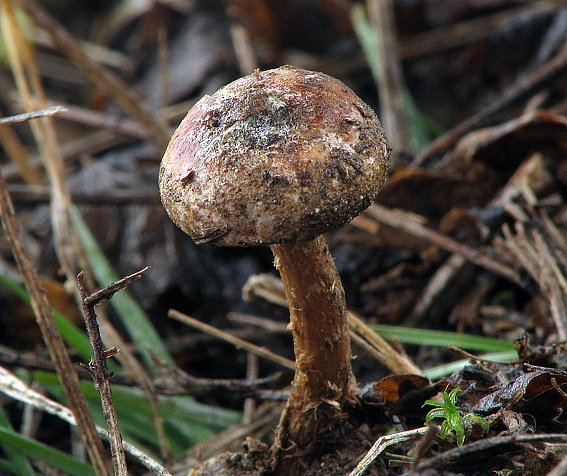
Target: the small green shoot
(453, 419)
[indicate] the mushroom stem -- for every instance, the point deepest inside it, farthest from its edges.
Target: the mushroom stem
(323, 374)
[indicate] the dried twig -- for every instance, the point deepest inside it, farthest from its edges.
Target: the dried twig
(454, 35)
(471, 451)
(377, 347)
(534, 252)
(250, 403)
(31, 90)
(68, 247)
(381, 444)
(532, 172)
(39, 193)
(103, 120)
(33, 115)
(97, 366)
(28, 169)
(401, 221)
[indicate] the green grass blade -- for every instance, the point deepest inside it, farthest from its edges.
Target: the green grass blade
(187, 421)
(20, 464)
(72, 335)
(421, 128)
(366, 37)
(410, 335)
(135, 320)
(40, 452)
(435, 373)
(7, 467)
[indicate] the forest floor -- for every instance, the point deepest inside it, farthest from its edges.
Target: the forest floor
(461, 263)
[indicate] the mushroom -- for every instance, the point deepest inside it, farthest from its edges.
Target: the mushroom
(280, 157)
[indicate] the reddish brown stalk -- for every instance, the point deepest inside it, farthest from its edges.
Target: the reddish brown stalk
(322, 347)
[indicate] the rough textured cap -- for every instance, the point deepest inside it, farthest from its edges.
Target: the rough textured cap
(273, 157)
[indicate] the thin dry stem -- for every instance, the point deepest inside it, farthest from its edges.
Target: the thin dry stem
(379, 348)
(534, 252)
(382, 443)
(98, 368)
(524, 88)
(67, 244)
(18, 390)
(29, 85)
(532, 172)
(13, 147)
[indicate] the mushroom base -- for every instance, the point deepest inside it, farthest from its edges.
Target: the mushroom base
(323, 375)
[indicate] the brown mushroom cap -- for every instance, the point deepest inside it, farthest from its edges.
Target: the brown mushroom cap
(274, 157)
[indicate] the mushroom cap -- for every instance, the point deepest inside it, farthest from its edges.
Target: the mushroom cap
(273, 157)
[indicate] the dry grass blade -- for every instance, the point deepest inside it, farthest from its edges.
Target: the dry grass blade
(381, 444)
(67, 244)
(99, 75)
(236, 341)
(53, 340)
(524, 88)
(376, 346)
(18, 390)
(32, 115)
(106, 121)
(18, 154)
(390, 80)
(15, 149)
(532, 172)
(29, 85)
(536, 255)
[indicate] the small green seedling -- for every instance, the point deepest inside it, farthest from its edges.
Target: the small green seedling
(453, 419)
